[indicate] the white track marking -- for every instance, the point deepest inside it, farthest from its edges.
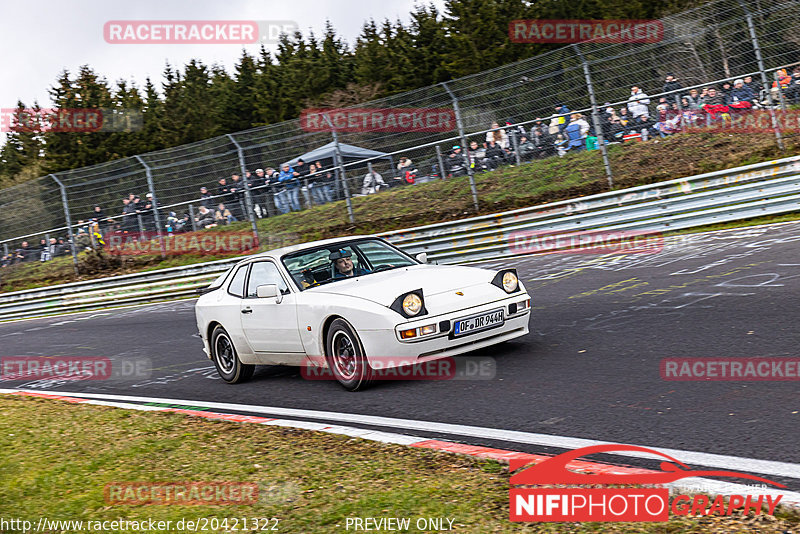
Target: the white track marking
(693, 485)
(733, 463)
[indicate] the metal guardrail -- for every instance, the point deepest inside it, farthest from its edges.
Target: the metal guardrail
(760, 189)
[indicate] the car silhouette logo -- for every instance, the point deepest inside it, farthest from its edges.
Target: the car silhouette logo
(554, 470)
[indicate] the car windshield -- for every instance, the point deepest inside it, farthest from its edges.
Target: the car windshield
(339, 261)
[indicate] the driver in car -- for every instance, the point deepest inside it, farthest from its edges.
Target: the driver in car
(344, 265)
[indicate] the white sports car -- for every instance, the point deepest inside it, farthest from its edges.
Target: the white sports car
(353, 306)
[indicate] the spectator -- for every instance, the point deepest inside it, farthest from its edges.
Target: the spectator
(223, 190)
(741, 97)
(793, 89)
(527, 150)
(289, 179)
(673, 87)
(281, 195)
(610, 124)
(637, 103)
(303, 171)
(477, 157)
(561, 120)
(694, 99)
(406, 173)
(128, 215)
(560, 144)
(205, 218)
(257, 183)
(515, 133)
(148, 214)
(754, 87)
(54, 249)
(541, 139)
(25, 252)
(236, 202)
(82, 240)
(456, 163)
(323, 188)
(576, 132)
(498, 135)
(495, 156)
(687, 103)
(625, 121)
(99, 216)
(223, 215)
(205, 197)
(373, 182)
(642, 124)
(714, 104)
(726, 90)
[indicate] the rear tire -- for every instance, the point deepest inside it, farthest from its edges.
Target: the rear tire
(346, 358)
(227, 362)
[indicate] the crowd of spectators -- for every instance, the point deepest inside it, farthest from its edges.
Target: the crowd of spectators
(303, 185)
(641, 118)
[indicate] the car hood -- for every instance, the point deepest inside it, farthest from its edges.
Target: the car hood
(385, 287)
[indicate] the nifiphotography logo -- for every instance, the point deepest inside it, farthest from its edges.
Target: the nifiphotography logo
(604, 504)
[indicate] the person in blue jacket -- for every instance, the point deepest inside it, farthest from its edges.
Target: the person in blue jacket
(290, 178)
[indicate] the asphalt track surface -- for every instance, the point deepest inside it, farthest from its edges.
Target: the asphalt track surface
(590, 367)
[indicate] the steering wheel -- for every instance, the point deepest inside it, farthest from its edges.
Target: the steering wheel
(383, 267)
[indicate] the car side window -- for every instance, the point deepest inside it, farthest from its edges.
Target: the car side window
(236, 287)
(264, 272)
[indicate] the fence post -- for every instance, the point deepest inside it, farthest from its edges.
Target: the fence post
(598, 128)
(248, 199)
(156, 214)
(764, 82)
(65, 203)
(340, 163)
(441, 162)
(5, 249)
(515, 142)
(460, 125)
(191, 217)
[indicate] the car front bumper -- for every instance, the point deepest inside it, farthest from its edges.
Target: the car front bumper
(385, 349)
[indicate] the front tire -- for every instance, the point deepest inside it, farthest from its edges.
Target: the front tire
(227, 362)
(346, 358)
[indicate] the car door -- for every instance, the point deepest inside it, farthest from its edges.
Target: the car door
(270, 327)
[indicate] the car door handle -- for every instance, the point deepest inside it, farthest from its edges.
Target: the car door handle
(247, 310)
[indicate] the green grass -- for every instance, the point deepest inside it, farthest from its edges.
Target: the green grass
(57, 457)
(508, 188)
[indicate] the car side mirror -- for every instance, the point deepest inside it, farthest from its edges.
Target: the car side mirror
(422, 257)
(267, 291)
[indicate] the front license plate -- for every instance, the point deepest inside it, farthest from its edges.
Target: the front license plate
(476, 323)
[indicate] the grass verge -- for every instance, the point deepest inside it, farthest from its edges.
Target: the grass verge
(507, 188)
(57, 458)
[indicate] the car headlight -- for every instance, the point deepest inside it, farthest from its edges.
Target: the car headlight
(507, 280)
(510, 282)
(412, 304)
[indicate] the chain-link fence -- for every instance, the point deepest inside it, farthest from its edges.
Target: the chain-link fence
(508, 115)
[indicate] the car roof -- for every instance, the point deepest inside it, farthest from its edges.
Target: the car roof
(278, 252)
